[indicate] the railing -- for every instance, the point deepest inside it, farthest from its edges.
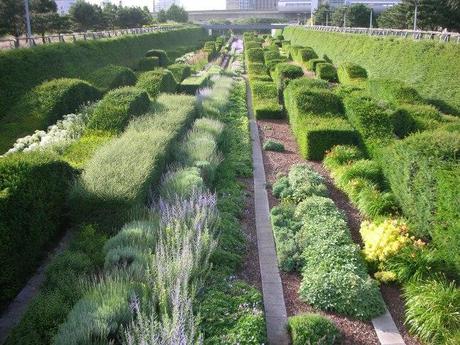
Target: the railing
(22, 42)
(417, 35)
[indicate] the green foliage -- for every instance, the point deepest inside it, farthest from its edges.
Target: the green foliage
(326, 71)
(265, 100)
(312, 329)
(181, 183)
(33, 207)
(273, 145)
(284, 72)
(258, 71)
(350, 73)
(192, 84)
(305, 54)
(342, 155)
(160, 54)
(311, 64)
(148, 63)
(271, 55)
(255, 55)
(117, 107)
(252, 44)
(417, 62)
(411, 118)
(393, 91)
(180, 71)
(112, 77)
(157, 81)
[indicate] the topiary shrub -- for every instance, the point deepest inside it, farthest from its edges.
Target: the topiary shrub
(252, 44)
(148, 63)
(273, 145)
(258, 71)
(180, 71)
(154, 82)
(312, 329)
(112, 76)
(326, 71)
(305, 54)
(349, 73)
(53, 99)
(33, 207)
(117, 107)
(284, 72)
(160, 54)
(311, 65)
(394, 91)
(265, 100)
(411, 118)
(271, 55)
(255, 55)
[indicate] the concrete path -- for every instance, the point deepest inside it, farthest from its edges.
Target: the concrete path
(386, 330)
(16, 309)
(272, 289)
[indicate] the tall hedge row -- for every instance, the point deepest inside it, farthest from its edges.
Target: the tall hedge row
(22, 69)
(433, 68)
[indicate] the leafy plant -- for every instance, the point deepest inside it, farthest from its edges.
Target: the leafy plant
(326, 71)
(273, 145)
(313, 329)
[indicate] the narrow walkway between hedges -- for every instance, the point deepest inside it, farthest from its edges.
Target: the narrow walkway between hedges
(272, 289)
(16, 309)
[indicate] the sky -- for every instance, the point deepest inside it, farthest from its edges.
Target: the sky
(188, 4)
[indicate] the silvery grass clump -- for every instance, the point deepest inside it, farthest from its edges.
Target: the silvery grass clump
(217, 102)
(180, 182)
(62, 133)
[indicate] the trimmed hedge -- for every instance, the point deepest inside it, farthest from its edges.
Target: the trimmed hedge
(255, 55)
(252, 44)
(154, 82)
(180, 71)
(326, 71)
(304, 55)
(316, 118)
(433, 68)
(160, 54)
(265, 100)
(393, 91)
(258, 71)
(148, 63)
(312, 329)
(311, 64)
(349, 73)
(284, 72)
(33, 209)
(192, 84)
(112, 77)
(117, 107)
(411, 118)
(53, 99)
(271, 55)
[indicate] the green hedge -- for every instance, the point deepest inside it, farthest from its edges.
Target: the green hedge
(316, 118)
(311, 64)
(304, 55)
(180, 71)
(33, 208)
(284, 72)
(258, 71)
(326, 71)
(393, 91)
(113, 76)
(271, 55)
(411, 118)
(148, 63)
(160, 54)
(433, 68)
(192, 84)
(252, 44)
(313, 329)
(154, 82)
(349, 73)
(117, 107)
(265, 100)
(255, 55)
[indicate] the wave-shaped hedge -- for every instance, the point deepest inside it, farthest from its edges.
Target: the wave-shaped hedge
(433, 68)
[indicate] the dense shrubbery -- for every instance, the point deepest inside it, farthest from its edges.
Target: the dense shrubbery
(112, 77)
(312, 329)
(192, 84)
(284, 72)
(163, 59)
(258, 71)
(154, 82)
(33, 209)
(265, 100)
(273, 145)
(326, 71)
(393, 91)
(304, 55)
(312, 63)
(117, 107)
(148, 63)
(180, 71)
(349, 73)
(255, 55)
(411, 118)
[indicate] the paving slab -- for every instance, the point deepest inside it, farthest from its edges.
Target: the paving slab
(386, 330)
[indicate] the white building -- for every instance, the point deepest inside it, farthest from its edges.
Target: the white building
(63, 6)
(165, 4)
(305, 6)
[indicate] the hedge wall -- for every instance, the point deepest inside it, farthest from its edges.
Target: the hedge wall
(433, 68)
(22, 69)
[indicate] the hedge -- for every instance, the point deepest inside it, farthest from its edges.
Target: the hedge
(411, 118)
(432, 68)
(160, 54)
(313, 329)
(255, 55)
(117, 107)
(148, 63)
(393, 91)
(117, 178)
(180, 71)
(113, 76)
(33, 209)
(326, 71)
(271, 55)
(349, 73)
(265, 100)
(154, 82)
(304, 55)
(316, 118)
(192, 84)
(284, 72)
(252, 44)
(311, 64)
(258, 71)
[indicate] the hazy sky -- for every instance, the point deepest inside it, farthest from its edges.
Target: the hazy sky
(188, 4)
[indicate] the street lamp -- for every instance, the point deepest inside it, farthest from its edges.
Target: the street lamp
(29, 30)
(370, 22)
(415, 15)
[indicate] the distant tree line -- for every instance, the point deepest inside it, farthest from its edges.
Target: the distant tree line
(432, 15)
(82, 16)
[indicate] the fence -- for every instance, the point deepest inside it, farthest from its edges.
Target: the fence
(21, 42)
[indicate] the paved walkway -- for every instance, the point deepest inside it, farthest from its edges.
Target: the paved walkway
(386, 330)
(272, 289)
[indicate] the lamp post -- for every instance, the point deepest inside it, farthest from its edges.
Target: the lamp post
(370, 21)
(29, 30)
(415, 15)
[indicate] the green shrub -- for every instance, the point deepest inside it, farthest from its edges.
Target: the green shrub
(117, 107)
(411, 118)
(192, 84)
(148, 63)
(252, 44)
(312, 329)
(271, 64)
(160, 54)
(265, 100)
(326, 71)
(307, 83)
(271, 55)
(154, 82)
(311, 64)
(181, 183)
(394, 91)
(257, 70)
(53, 99)
(285, 72)
(364, 169)
(33, 207)
(342, 155)
(112, 77)
(305, 54)
(255, 55)
(349, 73)
(273, 145)
(180, 71)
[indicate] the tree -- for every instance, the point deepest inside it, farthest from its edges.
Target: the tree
(323, 15)
(43, 6)
(132, 17)
(177, 14)
(393, 18)
(110, 14)
(356, 15)
(162, 16)
(45, 22)
(86, 16)
(12, 17)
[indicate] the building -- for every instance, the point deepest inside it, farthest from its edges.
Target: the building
(306, 6)
(63, 6)
(297, 6)
(267, 5)
(240, 5)
(165, 4)
(232, 5)
(377, 5)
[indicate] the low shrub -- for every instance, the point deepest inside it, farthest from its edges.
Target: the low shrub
(52, 99)
(252, 44)
(342, 155)
(33, 209)
(180, 71)
(192, 84)
(258, 71)
(313, 329)
(311, 64)
(284, 72)
(210, 48)
(112, 77)
(255, 55)
(350, 73)
(307, 83)
(411, 118)
(160, 54)
(273, 145)
(154, 82)
(326, 71)
(361, 169)
(271, 64)
(148, 64)
(117, 107)
(305, 54)
(271, 55)
(394, 91)
(265, 100)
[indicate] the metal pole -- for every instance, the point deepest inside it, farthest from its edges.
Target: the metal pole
(29, 30)
(415, 15)
(370, 24)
